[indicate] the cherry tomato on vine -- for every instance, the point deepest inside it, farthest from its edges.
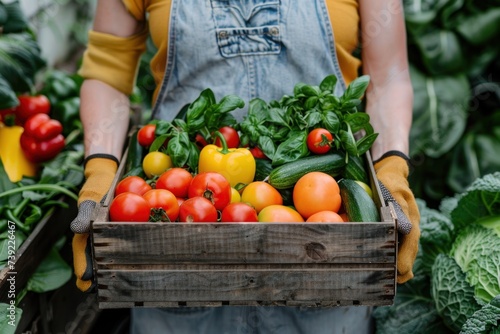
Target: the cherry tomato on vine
(146, 135)
(155, 163)
(129, 207)
(163, 203)
(239, 212)
(319, 141)
(133, 184)
(176, 180)
(230, 135)
(212, 186)
(197, 210)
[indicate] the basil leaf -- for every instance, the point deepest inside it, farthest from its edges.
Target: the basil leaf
(198, 107)
(348, 141)
(229, 103)
(365, 143)
(311, 102)
(313, 118)
(267, 146)
(179, 123)
(194, 157)
(356, 88)
(308, 90)
(328, 84)
(158, 142)
(8, 98)
(295, 147)
(331, 122)
(178, 149)
(357, 121)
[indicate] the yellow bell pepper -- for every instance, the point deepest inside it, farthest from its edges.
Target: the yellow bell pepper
(13, 159)
(237, 165)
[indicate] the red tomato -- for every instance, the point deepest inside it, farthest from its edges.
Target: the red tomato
(197, 210)
(319, 141)
(133, 184)
(129, 207)
(200, 141)
(315, 192)
(162, 203)
(239, 212)
(176, 180)
(31, 105)
(280, 214)
(146, 135)
(257, 153)
(212, 186)
(230, 135)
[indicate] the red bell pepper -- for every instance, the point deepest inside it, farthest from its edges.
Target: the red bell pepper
(31, 105)
(42, 138)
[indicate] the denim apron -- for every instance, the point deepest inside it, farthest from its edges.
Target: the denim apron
(250, 48)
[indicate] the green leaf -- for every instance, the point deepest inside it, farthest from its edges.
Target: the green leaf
(357, 121)
(295, 147)
(16, 20)
(328, 84)
(480, 28)
(158, 142)
(441, 52)
(454, 297)
(198, 107)
(52, 273)
(20, 60)
(194, 157)
(8, 98)
(229, 103)
(439, 112)
(178, 149)
(267, 146)
(308, 90)
(348, 142)
(356, 88)
(365, 143)
(313, 119)
(19, 238)
(331, 122)
(10, 315)
(311, 102)
(482, 199)
(484, 319)
(413, 311)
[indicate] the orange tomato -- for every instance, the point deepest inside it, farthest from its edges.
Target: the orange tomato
(260, 194)
(279, 214)
(315, 192)
(325, 217)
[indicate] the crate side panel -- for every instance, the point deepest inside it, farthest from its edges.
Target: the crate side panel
(368, 286)
(122, 243)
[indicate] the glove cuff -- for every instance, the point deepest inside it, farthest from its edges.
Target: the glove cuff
(393, 153)
(100, 156)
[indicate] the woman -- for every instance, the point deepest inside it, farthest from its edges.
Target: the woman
(257, 48)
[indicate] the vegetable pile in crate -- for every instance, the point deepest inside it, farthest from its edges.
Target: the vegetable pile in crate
(208, 211)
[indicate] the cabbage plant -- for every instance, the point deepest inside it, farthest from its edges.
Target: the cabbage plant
(456, 288)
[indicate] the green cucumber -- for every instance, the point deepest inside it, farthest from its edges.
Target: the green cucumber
(133, 163)
(356, 168)
(286, 175)
(358, 205)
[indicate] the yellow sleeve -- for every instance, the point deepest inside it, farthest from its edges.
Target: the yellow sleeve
(113, 60)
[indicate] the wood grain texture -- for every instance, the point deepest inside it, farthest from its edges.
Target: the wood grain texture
(125, 243)
(266, 284)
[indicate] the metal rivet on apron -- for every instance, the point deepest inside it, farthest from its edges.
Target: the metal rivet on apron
(274, 31)
(223, 34)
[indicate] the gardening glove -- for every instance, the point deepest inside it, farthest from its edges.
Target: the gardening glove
(100, 169)
(392, 173)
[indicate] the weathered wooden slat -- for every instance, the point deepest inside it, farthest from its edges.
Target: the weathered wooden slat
(244, 243)
(253, 284)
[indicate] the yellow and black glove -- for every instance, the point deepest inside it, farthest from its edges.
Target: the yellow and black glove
(392, 171)
(100, 169)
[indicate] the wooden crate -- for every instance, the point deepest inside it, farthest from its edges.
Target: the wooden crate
(213, 264)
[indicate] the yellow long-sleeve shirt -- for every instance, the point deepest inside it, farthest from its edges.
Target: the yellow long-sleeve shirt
(114, 60)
